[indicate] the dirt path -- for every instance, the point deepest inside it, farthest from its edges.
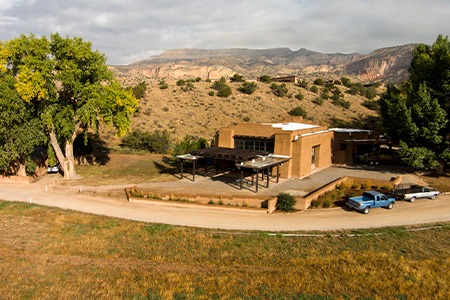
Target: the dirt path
(47, 192)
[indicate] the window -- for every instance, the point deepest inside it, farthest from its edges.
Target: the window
(262, 144)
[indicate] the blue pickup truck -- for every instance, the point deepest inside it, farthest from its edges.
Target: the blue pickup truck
(368, 200)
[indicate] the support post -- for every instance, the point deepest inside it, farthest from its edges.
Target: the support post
(193, 171)
(278, 173)
(257, 177)
(242, 179)
(267, 185)
(181, 168)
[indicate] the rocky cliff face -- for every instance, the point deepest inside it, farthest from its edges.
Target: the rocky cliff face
(387, 64)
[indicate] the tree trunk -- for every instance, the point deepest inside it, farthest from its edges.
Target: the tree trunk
(22, 170)
(67, 162)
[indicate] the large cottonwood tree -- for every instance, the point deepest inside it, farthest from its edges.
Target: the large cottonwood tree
(71, 87)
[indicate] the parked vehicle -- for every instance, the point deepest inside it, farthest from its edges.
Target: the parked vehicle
(53, 169)
(370, 199)
(413, 192)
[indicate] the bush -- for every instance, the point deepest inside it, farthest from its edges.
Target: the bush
(318, 81)
(371, 104)
(324, 95)
(247, 88)
(156, 142)
(346, 82)
(139, 90)
(189, 144)
(299, 96)
(318, 101)
(163, 85)
(181, 82)
(298, 111)
(286, 202)
(237, 78)
(211, 93)
(265, 78)
(188, 87)
(314, 89)
(279, 90)
(223, 90)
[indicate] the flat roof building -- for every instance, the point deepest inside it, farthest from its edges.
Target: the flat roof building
(308, 145)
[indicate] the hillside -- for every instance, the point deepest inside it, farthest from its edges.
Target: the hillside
(197, 113)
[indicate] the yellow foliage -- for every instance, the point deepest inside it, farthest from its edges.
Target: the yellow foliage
(31, 85)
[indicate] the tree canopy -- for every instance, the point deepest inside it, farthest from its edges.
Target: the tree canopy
(415, 113)
(70, 86)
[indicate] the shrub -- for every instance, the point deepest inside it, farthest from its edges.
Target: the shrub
(156, 142)
(318, 101)
(247, 88)
(298, 111)
(211, 93)
(279, 90)
(237, 78)
(327, 203)
(163, 85)
(371, 104)
(265, 78)
(223, 90)
(139, 90)
(356, 186)
(181, 82)
(299, 96)
(324, 95)
(286, 202)
(188, 87)
(314, 89)
(189, 144)
(318, 81)
(346, 81)
(198, 79)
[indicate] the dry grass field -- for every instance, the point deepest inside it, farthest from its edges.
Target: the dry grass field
(47, 253)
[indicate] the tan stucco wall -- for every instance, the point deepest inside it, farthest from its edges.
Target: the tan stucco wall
(294, 143)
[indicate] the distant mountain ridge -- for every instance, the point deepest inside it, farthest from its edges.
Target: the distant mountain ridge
(387, 64)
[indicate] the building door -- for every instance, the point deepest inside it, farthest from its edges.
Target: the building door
(315, 157)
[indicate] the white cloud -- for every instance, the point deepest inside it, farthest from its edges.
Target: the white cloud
(129, 30)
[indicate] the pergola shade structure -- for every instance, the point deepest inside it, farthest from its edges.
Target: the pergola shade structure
(255, 160)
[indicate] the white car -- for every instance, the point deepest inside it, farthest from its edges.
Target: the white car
(53, 169)
(416, 192)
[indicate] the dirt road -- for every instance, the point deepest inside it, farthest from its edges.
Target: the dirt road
(403, 213)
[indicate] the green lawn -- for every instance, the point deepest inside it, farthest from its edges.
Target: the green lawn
(48, 253)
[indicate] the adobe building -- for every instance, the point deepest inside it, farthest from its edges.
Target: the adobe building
(308, 145)
(358, 145)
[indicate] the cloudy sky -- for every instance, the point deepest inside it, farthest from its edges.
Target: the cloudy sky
(131, 30)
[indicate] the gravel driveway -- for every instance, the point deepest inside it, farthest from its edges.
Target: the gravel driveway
(101, 200)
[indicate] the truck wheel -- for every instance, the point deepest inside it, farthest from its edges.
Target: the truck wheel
(390, 205)
(412, 199)
(433, 197)
(366, 210)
